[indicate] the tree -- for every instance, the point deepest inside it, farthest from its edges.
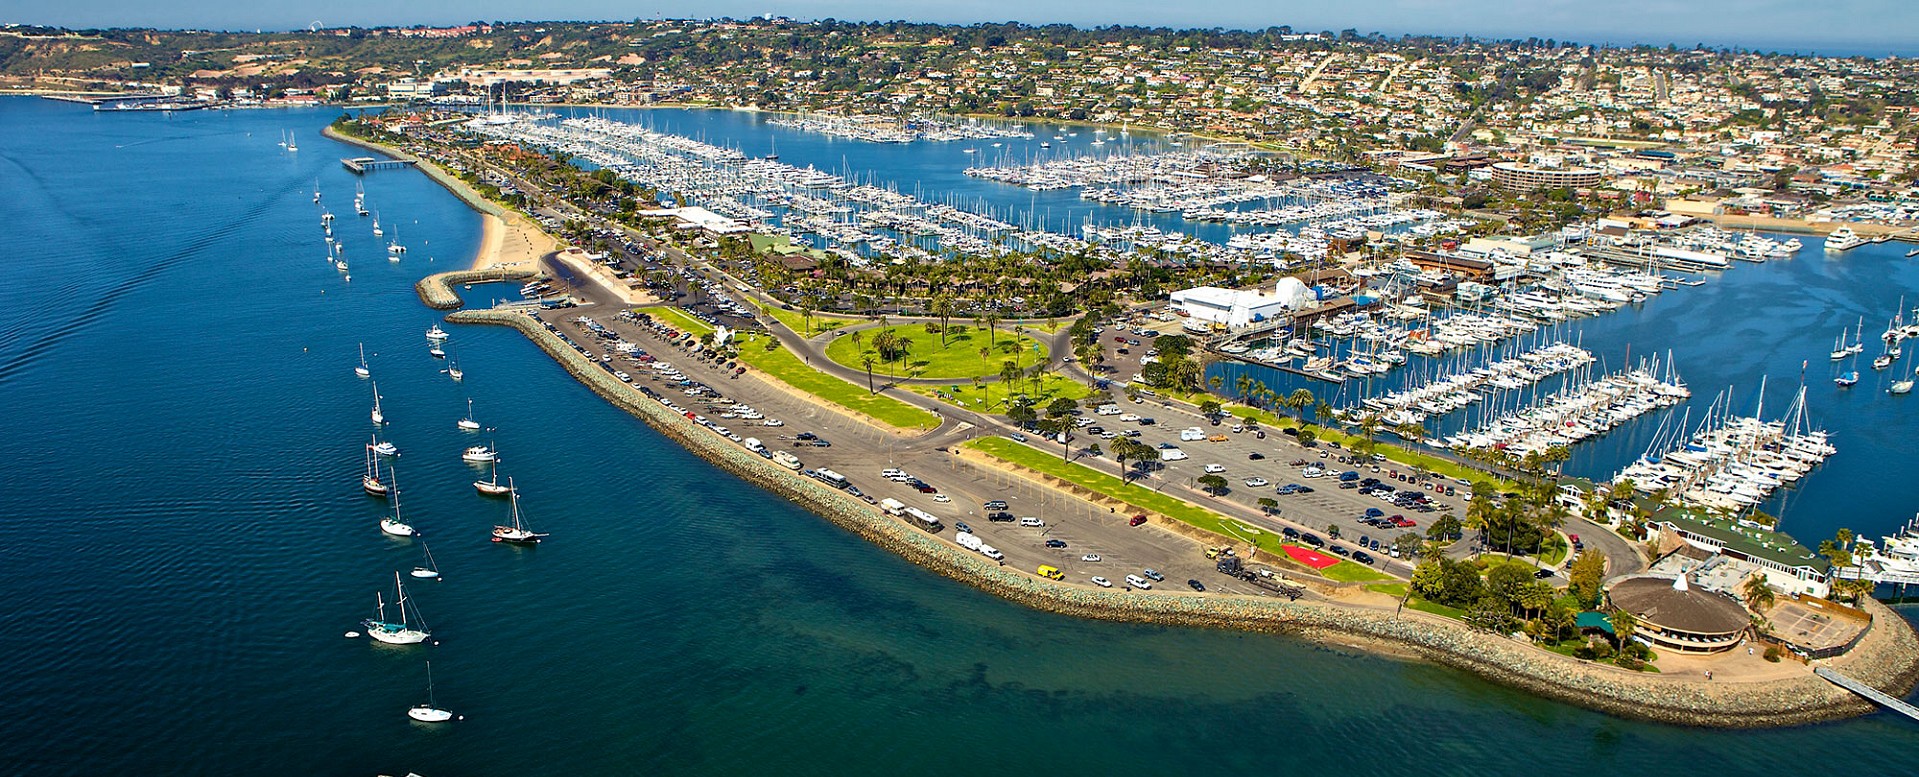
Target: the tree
(1209, 408)
(866, 361)
(1407, 544)
(1587, 573)
(1060, 407)
(1124, 448)
(1298, 401)
(1021, 413)
(1509, 581)
(1213, 484)
(1623, 625)
(1759, 595)
(1443, 529)
(1307, 437)
(1268, 505)
(1332, 530)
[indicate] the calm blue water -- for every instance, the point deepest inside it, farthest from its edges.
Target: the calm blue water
(186, 543)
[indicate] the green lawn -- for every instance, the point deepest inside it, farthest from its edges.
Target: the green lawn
(678, 318)
(1436, 608)
(1051, 386)
(782, 364)
(957, 359)
(1395, 590)
(1142, 498)
(794, 321)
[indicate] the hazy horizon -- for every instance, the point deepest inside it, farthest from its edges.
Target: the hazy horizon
(1762, 25)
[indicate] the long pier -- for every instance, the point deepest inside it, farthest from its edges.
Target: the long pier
(364, 164)
(1871, 693)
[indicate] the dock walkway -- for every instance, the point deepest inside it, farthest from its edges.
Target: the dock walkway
(364, 164)
(1874, 694)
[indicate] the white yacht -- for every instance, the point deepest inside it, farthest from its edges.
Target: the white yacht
(517, 533)
(480, 454)
(1843, 239)
(436, 333)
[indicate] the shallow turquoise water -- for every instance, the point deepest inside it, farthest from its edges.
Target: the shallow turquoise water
(185, 543)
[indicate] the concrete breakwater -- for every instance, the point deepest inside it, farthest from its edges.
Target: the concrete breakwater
(436, 290)
(1888, 658)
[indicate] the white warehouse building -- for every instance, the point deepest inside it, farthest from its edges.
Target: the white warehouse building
(1241, 307)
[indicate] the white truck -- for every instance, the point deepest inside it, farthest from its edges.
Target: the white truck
(991, 552)
(786, 460)
(893, 506)
(753, 444)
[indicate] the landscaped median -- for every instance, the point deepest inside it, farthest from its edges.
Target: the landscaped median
(673, 316)
(1145, 499)
(784, 366)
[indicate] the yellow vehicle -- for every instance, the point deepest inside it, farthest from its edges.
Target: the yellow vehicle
(1217, 438)
(1212, 552)
(1048, 570)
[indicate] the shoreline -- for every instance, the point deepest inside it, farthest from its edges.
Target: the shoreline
(508, 240)
(1888, 658)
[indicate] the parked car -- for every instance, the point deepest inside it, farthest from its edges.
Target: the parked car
(1362, 557)
(1196, 585)
(1056, 543)
(1031, 521)
(1091, 558)
(1137, 520)
(1102, 582)
(1138, 582)
(1154, 574)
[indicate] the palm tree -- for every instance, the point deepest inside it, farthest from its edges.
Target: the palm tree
(1298, 401)
(1242, 385)
(1323, 412)
(943, 307)
(1759, 596)
(866, 361)
(992, 329)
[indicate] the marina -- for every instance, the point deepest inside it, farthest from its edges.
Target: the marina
(687, 562)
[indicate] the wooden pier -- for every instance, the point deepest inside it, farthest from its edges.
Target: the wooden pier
(1871, 693)
(365, 164)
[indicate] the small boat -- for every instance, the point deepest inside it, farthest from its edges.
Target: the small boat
(362, 370)
(1847, 378)
(1883, 361)
(517, 534)
(429, 711)
(480, 454)
(429, 570)
(467, 424)
(403, 632)
(436, 352)
(453, 370)
(436, 333)
(384, 448)
(392, 524)
(292, 144)
(491, 486)
(370, 482)
(378, 417)
(377, 231)
(1900, 387)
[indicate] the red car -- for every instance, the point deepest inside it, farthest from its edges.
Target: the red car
(1403, 522)
(1137, 520)
(1120, 340)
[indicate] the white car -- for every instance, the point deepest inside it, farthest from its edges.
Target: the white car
(1102, 582)
(1091, 558)
(1215, 469)
(942, 498)
(1031, 521)
(1257, 483)
(1139, 582)
(1129, 417)
(772, 422)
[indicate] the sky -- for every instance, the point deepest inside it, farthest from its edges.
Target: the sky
(1845, 27)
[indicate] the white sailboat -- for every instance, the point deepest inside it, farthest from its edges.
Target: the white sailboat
(293, 143)
(517, 534)
(453, 370)
(406, 631)
(467, 424)
(393, 249)
(436, 351)
(429, 712)
(362, 370)
(378, 417)
(491, 486)
(377, 231)
(429, 570)
(392, 524)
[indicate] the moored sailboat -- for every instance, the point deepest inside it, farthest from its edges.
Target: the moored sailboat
(407, 630)
(378, 417)
(362, 370)
(430, 570)
(392, 524)
(491, 486)
(467, 424)
(370, 482)
(429, 711)
(517, 534)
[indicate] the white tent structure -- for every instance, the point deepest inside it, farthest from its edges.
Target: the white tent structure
(1241, 307)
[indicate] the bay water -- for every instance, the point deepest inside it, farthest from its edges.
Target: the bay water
(185, 542)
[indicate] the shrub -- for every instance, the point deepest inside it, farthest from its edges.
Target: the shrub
(1774, 653)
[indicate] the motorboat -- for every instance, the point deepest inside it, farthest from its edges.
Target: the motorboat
(436, 333)
(480, 454)
(1843, 239)
(1847, 378)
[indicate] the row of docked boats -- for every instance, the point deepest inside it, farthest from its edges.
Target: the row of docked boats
(1580, 410)
(1455, 391)
(399, 622)
(1731, 463)
(336, 248)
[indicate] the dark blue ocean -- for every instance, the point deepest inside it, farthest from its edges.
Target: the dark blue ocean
(185, 542)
